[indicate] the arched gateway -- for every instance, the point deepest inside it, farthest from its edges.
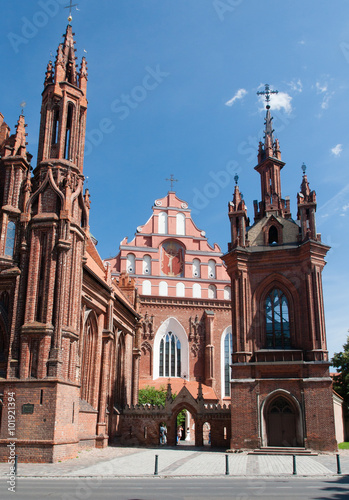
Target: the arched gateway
(141, 423)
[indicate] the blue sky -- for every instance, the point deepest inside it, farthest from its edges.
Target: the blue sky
(199, 118)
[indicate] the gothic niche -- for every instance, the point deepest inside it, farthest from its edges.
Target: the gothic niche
(172, 259)
(148, 326)
(195, 329)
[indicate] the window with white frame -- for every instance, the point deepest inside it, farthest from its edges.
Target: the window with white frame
(196, 268)
(180, 224)
(227, 293)
(130, 263)
(147, 264)
(212, 292)
(196, 291)
(211, 269)
(226, 360)
(180, 290)
(171, 350)
(146, 287)
(170, 356)
(163, 288)
(162, 223)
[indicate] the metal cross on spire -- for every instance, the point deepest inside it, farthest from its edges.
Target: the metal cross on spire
(23, 105)
(171, 180)
(71, 4)
(267, 92)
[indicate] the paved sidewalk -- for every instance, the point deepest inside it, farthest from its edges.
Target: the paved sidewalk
(186, 461)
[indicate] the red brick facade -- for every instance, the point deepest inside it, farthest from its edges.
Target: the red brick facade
(67, 331)
(280, 359)
(79, 336)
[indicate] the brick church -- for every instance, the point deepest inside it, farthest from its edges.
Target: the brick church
(238, 338)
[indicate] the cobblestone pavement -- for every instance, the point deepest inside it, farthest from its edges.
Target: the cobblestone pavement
(182, 461)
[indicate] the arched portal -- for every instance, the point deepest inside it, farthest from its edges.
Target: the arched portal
(283, 423)
(184, 416)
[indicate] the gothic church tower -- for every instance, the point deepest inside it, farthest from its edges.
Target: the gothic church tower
(280, 389)
(42, 246)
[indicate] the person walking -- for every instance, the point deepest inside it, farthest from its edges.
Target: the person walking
(179, 433)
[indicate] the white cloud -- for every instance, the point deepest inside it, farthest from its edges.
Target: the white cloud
(282, 100)
(345, 208)
(326, 100)
(278, 101)
(321, 88)
(239, 95)
(296, 86)
(336, 151)
(301, 42)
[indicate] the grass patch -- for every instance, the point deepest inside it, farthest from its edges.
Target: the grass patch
(343, 446)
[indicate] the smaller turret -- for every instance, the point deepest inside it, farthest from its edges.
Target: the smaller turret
(306, 203)
(238, 218)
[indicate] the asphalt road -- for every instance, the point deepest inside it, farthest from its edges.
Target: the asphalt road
(178, 489)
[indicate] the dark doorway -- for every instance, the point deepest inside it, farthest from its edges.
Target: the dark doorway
(281, 423)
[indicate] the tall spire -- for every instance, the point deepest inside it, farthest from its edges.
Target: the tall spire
(270, 148)
(63, 115)
(65, 60)
(269, 167)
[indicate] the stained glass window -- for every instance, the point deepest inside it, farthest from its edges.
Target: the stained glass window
(170, 356)
(228, 349)
(10, 239)
(277, 321)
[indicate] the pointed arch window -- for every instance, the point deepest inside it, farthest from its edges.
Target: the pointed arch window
(55, 125)
(170, 356)
(68, 132)
(273, 236)
(277, 321)
(10, 239)
(212, 292)
(227, 293)
(228, 350)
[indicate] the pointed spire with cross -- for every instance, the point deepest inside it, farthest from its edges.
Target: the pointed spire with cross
(267, 92)
(268, 133)
(71, 4)
(171, 180)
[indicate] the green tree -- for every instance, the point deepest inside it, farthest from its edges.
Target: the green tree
(340, 361)
(152, 396)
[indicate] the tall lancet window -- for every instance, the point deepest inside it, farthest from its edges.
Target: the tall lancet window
(55, 125)
(68, 133)
(10, 239)
(170, 356)
(228, 349)
(277, 321)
